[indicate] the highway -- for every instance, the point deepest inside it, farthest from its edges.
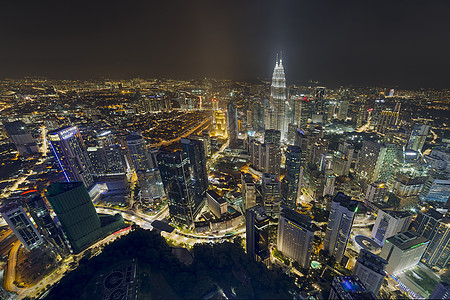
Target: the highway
(11, 270)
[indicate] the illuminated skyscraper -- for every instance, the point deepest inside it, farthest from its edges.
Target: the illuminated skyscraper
(21, 225)
(257, 233)
(418, 136)
(292, 180)
(76, 213)
(340, 222)
(232, 124)
(219, 124)
(271, 192)
(370, 270)
(70, 152)
(272, 136)
(278, 100)
(295, 236)
(389, 223)
(248, 191)
(176, 176)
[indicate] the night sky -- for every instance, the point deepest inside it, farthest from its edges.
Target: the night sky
(390, 43)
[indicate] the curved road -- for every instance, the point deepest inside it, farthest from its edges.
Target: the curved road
(11, 270)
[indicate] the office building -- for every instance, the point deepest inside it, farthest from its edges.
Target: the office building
(343, 109)
(349, 288)
(407, 186)
(292, 179)
(418, 136)
(70, 152)
(340, 221)
(388, 117)
(439, 191)
(216, 204)
(76, 213)
(21, 137)
(442, 291)
(219, 124)
(403, 251)
(435, 227)
(302, 141)
(342, 159)
(271, 159)
(257, 233)
(138, 152)
(248, 191)
(38, 210)
(97, 156)
(278, 98)
(375, 162)
(328, 187)
(206, 142)
(21, 225)
(369, 268)
(232, 124)
(115, 163)
(389, 223)
(176, 176)
(272, 136)
(295, 236)
(271, 192)
(197, 162)
(376, 193)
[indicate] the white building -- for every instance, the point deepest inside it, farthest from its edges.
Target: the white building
(389, 223)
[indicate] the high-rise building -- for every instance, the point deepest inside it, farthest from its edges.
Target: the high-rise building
(144, 163)
(76, 213)
(70, 152)
(418, 136)
(21, 225)
(375, 162)
(272, 136)
(248, 191)
(292, 179)
(435, 227)
(349, 288)
(271, 159)
(340, 222)
(389, 223)
(114, 159)
(403, 251)
(295, 236)
(176, 176)
(216, 204)
(388, 117)
(328, 187)
(302, 141)
(97, 156)
(376, 193)
(278, 99)
(21, 137)
(232, 124)
(306, 111)
(271, 192)
(38, 210)
(442, 291)
(257, 233)
(343, 109)
(369, 268)
(219, 124)
(206, 142)
(197, 162)
(342, 159)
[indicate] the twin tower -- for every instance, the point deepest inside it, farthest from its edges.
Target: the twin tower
(277, 112)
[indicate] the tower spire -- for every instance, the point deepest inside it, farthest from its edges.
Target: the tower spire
(276, 62)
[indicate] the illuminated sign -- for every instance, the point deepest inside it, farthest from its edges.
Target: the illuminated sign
(67, 133)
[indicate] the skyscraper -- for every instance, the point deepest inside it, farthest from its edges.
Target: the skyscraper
(278, 99)
(232, 124)
(403, 251)
(295, 236)
(388, 117)
(389, 223)
(271, 192)
(272, 136)
(257, 233)
(21, 225)
(176, 176)
(442, 291)
(292, 179)
(146, 168)
(197, 161)
(248, 191)
(21, 137)
(375, 162)
(369, 268)
(435, 227)
(76, 213)
(340, 222)
(70, 152)
(38, 210)
(418, 136)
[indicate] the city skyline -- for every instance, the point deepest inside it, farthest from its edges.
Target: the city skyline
(384, 44)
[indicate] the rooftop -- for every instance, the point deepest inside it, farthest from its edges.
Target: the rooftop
(407, 240)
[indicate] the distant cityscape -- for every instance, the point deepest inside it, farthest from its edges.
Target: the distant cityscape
(346, 191)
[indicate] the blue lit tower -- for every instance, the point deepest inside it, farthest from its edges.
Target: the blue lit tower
(70, 152)
(176, 177)
(278, 99)
(291, 182)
